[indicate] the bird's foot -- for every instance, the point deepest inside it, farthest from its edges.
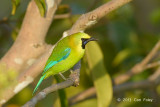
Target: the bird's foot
(71, 71)
(62, 76)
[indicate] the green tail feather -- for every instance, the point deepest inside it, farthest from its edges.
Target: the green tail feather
(38, 84)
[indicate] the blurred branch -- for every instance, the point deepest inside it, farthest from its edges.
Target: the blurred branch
(138, 67)
(62, 16)
(89, 93)
(90, 18)
(28, 47)
(152, 65)
(72, 81)
(31, 37)
(150, 83)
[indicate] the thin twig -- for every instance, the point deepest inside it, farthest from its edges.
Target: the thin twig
(138, 67)
(131, 85)
(62, 16)
(91, 18)
(152, 82)
(152, 65)
(82, 96)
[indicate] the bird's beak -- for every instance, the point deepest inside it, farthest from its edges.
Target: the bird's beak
(88, 40)
(92, 39)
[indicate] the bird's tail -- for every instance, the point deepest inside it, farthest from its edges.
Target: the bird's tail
(38, 84)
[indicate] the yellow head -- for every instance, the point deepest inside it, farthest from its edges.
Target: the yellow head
(81, 39)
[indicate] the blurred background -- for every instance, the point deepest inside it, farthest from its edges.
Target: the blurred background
(126, 36)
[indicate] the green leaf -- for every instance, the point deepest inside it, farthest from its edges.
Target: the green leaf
(63, 98)
(14, 34)
(62, 9)
(15, 4)
(41, 6)
(121, 56)
(101, 79)
(155, 16)
(158, 89)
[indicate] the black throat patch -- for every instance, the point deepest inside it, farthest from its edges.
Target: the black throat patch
(84, 42)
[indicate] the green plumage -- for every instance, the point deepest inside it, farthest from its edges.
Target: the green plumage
(64, 56)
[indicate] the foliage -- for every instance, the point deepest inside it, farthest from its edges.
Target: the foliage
(15, 4)
(101, 79)
(41, 6)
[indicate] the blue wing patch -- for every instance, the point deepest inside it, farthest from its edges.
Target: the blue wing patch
(49, 65)
(68, 50)
(52, 63)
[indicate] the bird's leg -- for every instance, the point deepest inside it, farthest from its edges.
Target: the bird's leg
(71, 71)
(62, 76)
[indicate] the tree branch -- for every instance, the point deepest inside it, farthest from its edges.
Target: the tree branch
(62, 16)
(91, 92)
(152, 65)
(138, 67)
(89, 19)
(31, 38)
(28, 47)
(151, 82)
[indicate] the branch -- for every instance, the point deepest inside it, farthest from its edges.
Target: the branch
(62, 16)
(31, 38)
(28, 47)
(138, 68)
(72, 81)
(89, 93)
(152, 65)
(151, 82)
(89, 19)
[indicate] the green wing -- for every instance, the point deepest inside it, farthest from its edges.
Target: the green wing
(55, 58)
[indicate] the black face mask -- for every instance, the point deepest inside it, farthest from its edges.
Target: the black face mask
(86, 40)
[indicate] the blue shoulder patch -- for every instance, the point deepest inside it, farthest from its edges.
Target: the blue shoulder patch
(52, 63)
(68, 50)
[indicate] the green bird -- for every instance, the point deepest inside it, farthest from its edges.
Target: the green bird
(65, 55)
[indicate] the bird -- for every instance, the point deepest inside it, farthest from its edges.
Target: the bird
(65, 55)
